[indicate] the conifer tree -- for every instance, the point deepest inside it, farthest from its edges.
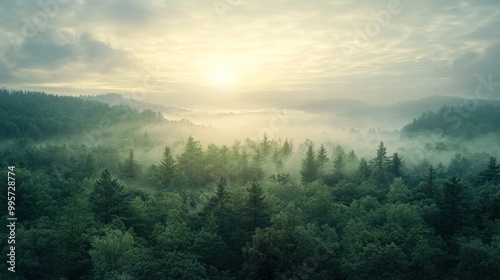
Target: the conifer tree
(287, 149)
(257, 205)
(453, 206)
(380, 163)
(364, 171)
(108, 199)
(167, 169)
(130, 168)
(396, 165)
(322, 157)
(491, 173)
(222, 195)
(309, 170)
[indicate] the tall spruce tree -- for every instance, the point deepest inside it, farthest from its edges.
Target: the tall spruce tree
(491, 173)
(130, 167)
(380, 164)
(190, 162)
(287, 149)
(167, 169)
(309, 170)
(222, 195)
(108, 198)
(257, 206)
(453, 206)
(396, 165)
(322, 157)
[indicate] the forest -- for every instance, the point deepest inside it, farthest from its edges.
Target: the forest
(126, 204)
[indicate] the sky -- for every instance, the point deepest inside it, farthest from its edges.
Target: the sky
(252, 53)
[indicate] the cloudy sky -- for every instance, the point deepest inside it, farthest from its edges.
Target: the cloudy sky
(252, 53)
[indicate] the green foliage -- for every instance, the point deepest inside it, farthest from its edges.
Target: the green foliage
(310, 168)
(453, 206)
(108, 198)
(40, 116)
(248, 211)
(322, 157)
(166, 172)
(380, 164)
(258, 209)
(130, 168)
(457, 122)
(191, 163)
(112, 253)
(491, 173)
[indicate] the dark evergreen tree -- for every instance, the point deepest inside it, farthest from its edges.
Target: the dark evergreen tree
(322, 157)
(167, 169)
(108, 198)
(364, 171)
(396, 165)
(429, 188)
(491, 173)
(130, 168)
(190, 162)
(222, 195)
(258, 209)
(380, 164)
(339, 164)
(453, 206)
(309, 170)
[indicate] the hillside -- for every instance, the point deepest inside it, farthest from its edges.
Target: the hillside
(393, 115)
(39, 116)
(458, 122)
(118, 99)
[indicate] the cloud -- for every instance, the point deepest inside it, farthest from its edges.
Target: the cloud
(281, 50)
(52, 50)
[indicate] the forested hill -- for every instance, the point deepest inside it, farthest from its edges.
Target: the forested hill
(39, 116)
(465, 122)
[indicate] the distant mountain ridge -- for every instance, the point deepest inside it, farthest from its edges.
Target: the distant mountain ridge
(462, 122)
(397, 114)
(119, 99)
(40, 116)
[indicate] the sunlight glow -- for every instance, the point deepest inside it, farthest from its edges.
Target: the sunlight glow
(223, 78)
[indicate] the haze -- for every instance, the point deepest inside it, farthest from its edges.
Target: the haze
(251, 54)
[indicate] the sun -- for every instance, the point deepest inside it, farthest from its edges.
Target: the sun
(223, 78)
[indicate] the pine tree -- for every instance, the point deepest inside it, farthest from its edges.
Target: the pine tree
(108, 198)
(309, 170)
(431, 183)
(364, 171)
(396, 165)
(265, 146)
(257, 205)
(222, 195)
(380, 163)
(190, 162)
(453, 206)
(491, 173)
(322, 157)
(339, 164)
(130, 168)
(287, 149)
(352, 157)
(167, 169)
